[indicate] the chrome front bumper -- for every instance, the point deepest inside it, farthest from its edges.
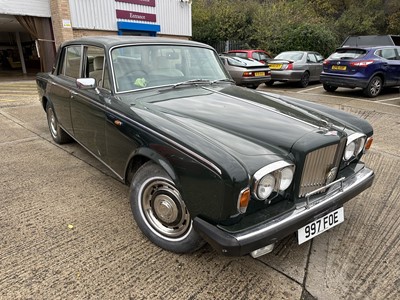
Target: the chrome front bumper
(271, 231)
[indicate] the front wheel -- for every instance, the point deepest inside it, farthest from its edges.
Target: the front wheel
(374, 87)
(160, 212)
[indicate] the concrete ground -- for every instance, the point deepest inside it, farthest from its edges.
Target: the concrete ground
(67, 230)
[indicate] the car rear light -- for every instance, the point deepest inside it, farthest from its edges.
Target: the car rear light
(361, 63)
(289, 66)
(248, 74)
(326, 62)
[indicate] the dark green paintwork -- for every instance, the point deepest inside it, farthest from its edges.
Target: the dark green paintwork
(210, 138)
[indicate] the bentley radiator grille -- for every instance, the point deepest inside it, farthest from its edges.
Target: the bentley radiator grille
(320, 168)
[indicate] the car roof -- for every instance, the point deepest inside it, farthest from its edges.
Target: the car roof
(246, 50)
(366, 48)
(117, 40)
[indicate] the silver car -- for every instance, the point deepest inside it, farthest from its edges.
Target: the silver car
(246, 72)
(296, 66)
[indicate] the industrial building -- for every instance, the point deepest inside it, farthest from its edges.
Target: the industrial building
(31, 31)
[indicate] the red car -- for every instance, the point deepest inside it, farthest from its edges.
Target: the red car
(260, 55)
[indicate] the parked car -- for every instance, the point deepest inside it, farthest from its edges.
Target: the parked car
(259, 55)
(246, 72)
(206, 160)
(369, 68)
(296, 66)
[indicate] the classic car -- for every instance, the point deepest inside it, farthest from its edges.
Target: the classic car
(246, 72)
(259, 55)
(206, 160)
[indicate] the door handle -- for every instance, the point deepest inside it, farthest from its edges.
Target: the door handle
(114, 120)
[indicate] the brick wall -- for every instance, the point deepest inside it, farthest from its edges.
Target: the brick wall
(82, 32)
(60, 11)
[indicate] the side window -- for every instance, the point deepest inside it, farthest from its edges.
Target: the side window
(94, 64)
(320, 58)
(311, 58)
(389, 54)
(72, 62)
(256, 56)
(264, 56)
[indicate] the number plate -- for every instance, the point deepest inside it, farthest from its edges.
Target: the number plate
(317, 227)
(275, 66)
(340, 68)
(259, 73)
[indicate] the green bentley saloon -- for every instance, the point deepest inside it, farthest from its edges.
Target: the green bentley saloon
(206, 160)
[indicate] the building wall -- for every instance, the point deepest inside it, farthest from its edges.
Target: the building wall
(36, 8)
(173, 16)
(59, 14)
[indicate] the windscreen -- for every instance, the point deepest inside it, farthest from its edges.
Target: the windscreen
(146, 66)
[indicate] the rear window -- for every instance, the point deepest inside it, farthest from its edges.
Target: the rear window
(295, 56)
(348, 54)
(238, 54)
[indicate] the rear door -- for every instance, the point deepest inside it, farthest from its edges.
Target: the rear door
(63, 81)
(312, 64)
(390, 64)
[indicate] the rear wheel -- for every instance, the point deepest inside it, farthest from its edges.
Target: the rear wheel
(57, 133)
(305, 80)
(160, 212)
(374, 87)
(329, 88)
(269, 83)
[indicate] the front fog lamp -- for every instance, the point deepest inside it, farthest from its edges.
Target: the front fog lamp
(265, 186)
(285, 178)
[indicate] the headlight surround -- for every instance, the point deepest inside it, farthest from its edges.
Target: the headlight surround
(277, 177)
(355, 145)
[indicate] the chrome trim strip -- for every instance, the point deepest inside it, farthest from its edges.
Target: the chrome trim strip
(354, 136)
(323, 200)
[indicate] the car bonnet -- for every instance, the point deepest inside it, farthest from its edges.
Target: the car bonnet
(243, 120)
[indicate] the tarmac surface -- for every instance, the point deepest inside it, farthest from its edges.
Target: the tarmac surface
(67, 231)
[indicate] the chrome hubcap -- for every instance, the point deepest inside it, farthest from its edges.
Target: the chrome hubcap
(163, 209)
(52, 123)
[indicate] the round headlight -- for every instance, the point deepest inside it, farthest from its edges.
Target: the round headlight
(265, 186)
(286, 178)
(360, 145)
(349, 152)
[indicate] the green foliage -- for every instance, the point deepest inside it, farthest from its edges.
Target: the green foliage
(278, 25)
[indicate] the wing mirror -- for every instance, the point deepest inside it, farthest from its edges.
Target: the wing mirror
(86, 83)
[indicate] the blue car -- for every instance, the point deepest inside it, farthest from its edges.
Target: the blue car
(369, 68)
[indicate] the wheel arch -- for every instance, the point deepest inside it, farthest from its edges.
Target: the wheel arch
(143, 155)
(380, 74)
(44, 101)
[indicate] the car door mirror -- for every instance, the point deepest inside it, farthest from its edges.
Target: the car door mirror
(86, 83)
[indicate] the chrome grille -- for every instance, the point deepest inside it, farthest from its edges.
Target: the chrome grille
(317, 166)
